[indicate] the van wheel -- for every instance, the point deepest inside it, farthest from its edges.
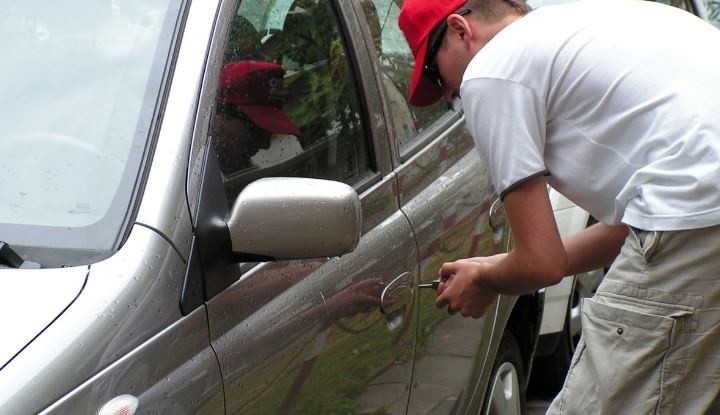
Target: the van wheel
(506, 389)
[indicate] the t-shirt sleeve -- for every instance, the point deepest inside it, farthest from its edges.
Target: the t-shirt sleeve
(507, 122)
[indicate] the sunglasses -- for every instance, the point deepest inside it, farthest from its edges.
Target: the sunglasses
(437, 36)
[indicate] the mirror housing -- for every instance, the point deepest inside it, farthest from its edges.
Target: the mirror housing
(295, 218)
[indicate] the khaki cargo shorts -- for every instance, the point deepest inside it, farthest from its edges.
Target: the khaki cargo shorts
(651, 335)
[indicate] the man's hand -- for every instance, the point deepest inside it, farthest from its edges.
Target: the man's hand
(462, 289)
(537, 260)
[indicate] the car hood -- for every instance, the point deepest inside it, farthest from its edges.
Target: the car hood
(31, 301)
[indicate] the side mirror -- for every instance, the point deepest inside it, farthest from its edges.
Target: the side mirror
(295, 218)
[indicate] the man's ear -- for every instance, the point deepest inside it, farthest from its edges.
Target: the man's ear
(460, 26)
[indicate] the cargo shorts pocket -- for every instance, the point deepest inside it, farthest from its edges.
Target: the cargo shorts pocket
(620, 366)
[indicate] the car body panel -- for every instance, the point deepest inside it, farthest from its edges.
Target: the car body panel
(186, 381)
(34, 299)
(122, 305)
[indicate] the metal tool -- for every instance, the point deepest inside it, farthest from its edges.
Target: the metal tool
(434, 285)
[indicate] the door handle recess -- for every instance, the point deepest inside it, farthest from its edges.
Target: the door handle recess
(397, 294)
(394, 299)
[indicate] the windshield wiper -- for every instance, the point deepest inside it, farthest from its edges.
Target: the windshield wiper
(10, 259)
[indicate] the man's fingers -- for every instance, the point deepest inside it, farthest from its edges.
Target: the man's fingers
(441, 301)
(441, 287)
(447, 268)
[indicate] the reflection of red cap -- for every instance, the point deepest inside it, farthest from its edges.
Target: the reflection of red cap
(417, 20)
(256, 88)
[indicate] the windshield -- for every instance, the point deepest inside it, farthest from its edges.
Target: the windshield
(79, 89)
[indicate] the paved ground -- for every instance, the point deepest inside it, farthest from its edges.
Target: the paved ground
(446, 362)
(450, 352)
(536, 407)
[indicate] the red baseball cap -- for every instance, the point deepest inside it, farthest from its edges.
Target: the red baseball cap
(417, 20)
(256, 88)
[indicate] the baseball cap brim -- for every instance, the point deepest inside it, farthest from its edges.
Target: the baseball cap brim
(423, 91)
(270, 119)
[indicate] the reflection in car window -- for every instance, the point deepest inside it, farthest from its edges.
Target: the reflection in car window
(287, 103)
(712, 11)
(538, 3)
(680, 4)
(396, 63)
(77, 95)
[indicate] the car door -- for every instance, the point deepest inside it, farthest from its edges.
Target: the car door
(325, 335)
(447, 195)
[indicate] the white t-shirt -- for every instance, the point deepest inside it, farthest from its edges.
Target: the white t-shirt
(618, 101)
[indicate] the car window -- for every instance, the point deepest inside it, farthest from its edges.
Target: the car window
(396, 64)
(78, 95)
(287, 104)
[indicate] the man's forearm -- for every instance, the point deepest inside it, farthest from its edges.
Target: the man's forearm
(594, 247)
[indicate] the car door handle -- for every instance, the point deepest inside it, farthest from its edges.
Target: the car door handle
(394, 300)
(497, 220)
(497, 214)
(397, 294)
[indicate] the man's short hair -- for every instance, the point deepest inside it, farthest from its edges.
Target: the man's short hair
(494, 10)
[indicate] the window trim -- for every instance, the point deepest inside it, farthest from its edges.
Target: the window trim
(430, 134)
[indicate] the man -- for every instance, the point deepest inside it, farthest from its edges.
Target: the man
(616, 104)
(249, 113)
